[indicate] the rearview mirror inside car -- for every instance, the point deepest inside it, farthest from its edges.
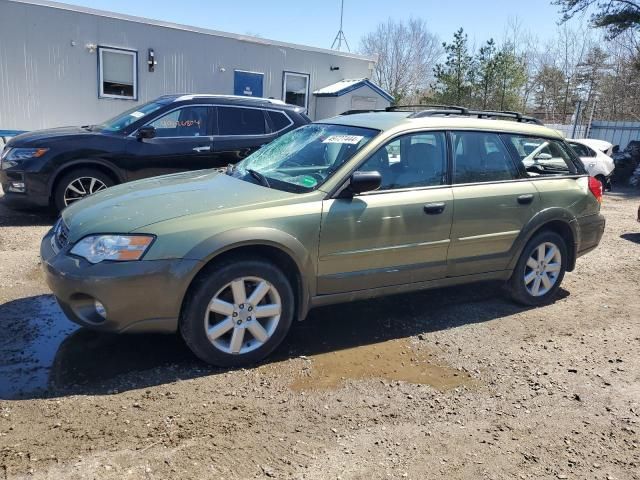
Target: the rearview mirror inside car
(146, 132)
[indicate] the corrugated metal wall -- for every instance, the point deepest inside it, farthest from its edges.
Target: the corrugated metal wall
(618, 133)
(48, 76)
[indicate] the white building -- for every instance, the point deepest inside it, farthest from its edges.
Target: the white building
(69, 65)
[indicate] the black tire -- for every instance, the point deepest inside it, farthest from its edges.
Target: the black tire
(516, 284)
(605, 186)
(69, 177)
(192, 322)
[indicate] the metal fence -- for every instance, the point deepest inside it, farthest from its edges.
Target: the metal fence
(617, 133)
(569, 131)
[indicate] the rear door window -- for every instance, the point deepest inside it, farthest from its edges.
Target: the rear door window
(481, 157)
(241, 121)
(542, 156)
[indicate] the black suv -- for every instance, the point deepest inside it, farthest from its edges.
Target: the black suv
(170, 134)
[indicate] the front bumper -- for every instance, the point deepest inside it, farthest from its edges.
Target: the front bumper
(590, 231)
(35, 194)
(140, 296)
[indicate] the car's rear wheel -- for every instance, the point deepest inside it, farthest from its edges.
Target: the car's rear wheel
(540, 269)
(238, 313)
(78, 184)
(605, 185)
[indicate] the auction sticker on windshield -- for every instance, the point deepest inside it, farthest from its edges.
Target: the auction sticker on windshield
(137, 114)
(348, 139)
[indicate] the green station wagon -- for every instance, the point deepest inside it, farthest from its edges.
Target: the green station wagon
(348, 208)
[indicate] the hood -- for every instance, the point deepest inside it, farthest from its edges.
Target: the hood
(130, 206)
(39, 137)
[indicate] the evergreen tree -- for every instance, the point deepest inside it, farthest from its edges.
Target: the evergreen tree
(454, 78)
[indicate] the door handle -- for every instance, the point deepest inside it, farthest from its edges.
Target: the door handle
(434, 208)
(204, 148)
(525, 199)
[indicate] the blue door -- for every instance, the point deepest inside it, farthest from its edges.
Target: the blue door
(248, 84)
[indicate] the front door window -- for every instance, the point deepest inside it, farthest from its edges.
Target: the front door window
(191, 121)
(414, 160)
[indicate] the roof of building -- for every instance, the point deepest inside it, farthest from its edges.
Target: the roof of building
(388, 120)
(348, 85)
(189, 28)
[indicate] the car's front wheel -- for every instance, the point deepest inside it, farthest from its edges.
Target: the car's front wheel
(540, 269)
(237, 313)
(77, 184)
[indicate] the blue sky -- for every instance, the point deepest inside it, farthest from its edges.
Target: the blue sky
(316, 22)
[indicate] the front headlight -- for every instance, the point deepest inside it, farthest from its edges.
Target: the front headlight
(119, 248)
(19, 154)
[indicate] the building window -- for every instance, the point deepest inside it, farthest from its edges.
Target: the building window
(118, 73)
(295, 90)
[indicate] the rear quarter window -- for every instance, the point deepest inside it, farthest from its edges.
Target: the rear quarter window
(279, 121)
(542, 156)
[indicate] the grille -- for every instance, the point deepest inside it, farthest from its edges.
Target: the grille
(61, 234)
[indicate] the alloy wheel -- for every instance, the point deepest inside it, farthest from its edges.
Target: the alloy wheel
(82, 187)
(243, 315)
(542, 269)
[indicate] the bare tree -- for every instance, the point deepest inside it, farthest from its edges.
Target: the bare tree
(406, 53)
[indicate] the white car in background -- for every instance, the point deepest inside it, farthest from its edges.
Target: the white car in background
(595, 155)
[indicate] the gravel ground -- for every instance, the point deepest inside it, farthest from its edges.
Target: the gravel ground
(455, 383)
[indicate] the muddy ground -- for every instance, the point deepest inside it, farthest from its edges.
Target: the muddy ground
(455, 383)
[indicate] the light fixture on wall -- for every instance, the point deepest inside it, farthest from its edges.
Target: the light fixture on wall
(222, 69)
(92, 47)
(151, 60)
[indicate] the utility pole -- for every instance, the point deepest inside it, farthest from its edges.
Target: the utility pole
(340, 37)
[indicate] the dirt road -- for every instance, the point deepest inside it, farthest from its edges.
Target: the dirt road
(455, 383)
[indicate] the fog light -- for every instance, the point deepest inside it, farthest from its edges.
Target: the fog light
(18, 187)
(100, 310)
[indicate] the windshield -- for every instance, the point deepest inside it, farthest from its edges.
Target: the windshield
(301, 160)
(125, 119)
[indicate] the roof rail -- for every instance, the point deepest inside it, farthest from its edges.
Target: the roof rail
(435, 110)
(427, 107)
(424, 110)
(507, 114)
(355, 111)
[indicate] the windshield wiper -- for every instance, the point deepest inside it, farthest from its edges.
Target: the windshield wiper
(260, 177)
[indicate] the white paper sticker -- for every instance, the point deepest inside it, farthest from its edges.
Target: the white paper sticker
(349, 139)
(137, 114)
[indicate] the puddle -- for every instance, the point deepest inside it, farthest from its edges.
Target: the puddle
(28, 347)
(42, 353)
(393, 360)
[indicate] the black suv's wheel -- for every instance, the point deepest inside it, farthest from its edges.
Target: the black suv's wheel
(238, 314)
(77, 184)
(539, 270)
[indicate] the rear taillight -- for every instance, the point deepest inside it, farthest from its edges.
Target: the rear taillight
(596, 188)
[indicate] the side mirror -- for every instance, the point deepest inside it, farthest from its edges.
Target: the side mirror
(146, 132)
(361, 182)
